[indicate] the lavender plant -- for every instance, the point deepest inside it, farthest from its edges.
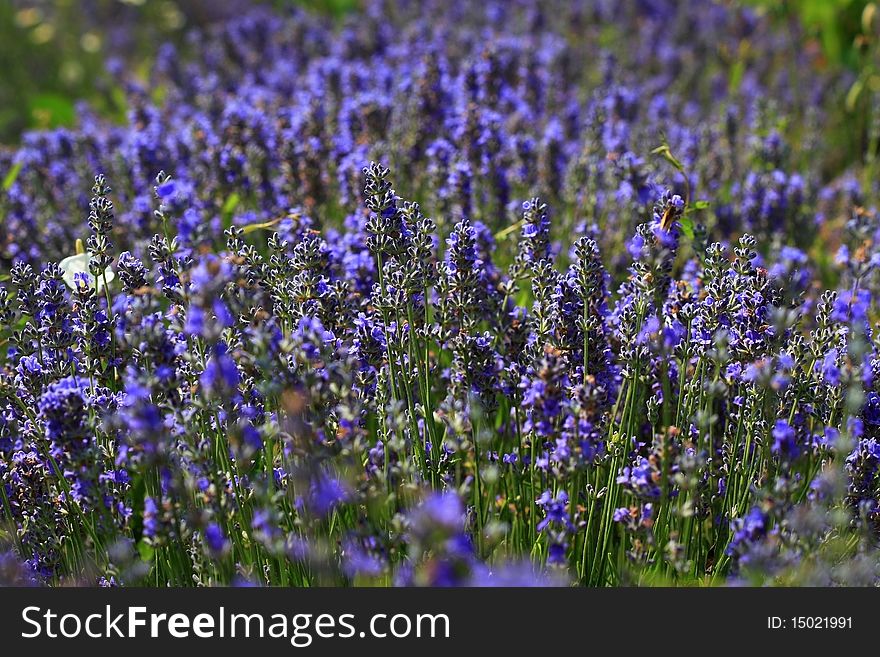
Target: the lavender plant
(529, 293)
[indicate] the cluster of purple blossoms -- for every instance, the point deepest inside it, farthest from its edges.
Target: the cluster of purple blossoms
(589, 333)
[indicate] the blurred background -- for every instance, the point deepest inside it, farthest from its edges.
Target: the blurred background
(56, 52)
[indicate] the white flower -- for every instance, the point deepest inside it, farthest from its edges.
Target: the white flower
(79, 264)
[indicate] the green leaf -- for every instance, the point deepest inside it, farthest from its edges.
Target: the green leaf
(853, 94)
(666, 153)
(687, 226)
(228, 208)
(737, 72)
(250, 228)
(231, 203)
(11, 175)
(146, 551)
(52, 110)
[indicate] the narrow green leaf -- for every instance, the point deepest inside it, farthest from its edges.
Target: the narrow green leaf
(228, 208)
(737, 72)
(11, 175)
(666, 153)
(853, 94)
(231, 203)
(687, 226)
(250, 228)
(146, 551)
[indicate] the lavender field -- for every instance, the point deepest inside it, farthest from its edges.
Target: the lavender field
(450, 293)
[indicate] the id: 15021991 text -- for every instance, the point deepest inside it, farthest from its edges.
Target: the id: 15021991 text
(810, 623)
